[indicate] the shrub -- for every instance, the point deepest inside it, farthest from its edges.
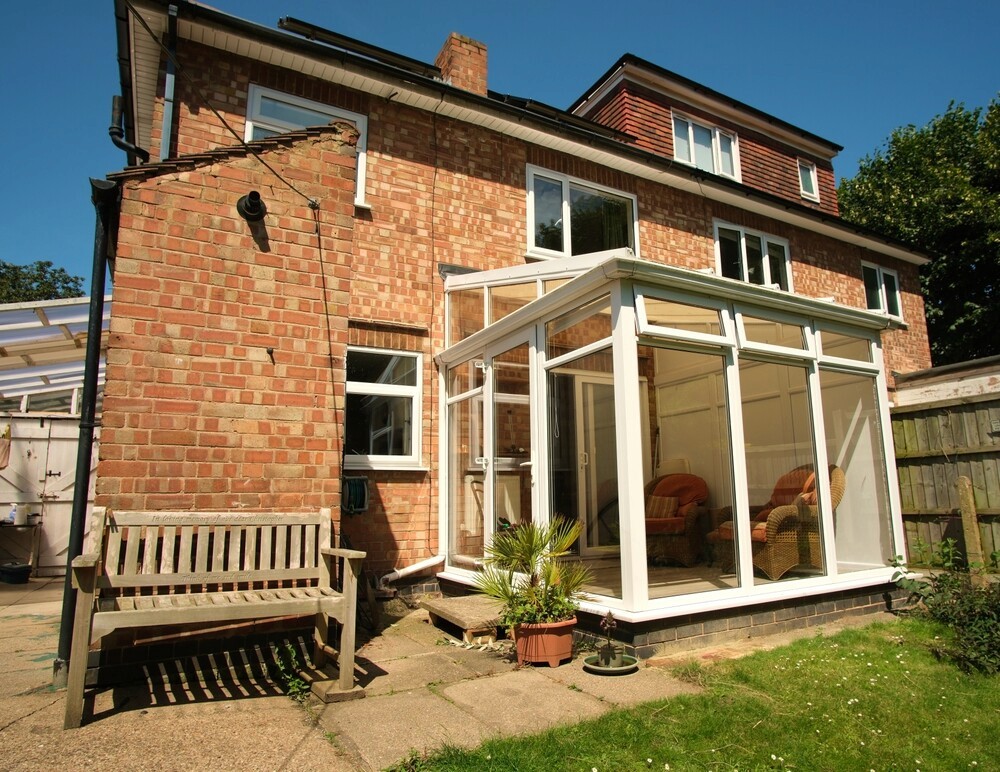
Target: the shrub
(966, 601)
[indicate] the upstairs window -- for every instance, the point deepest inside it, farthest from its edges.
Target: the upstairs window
(570, 217)
(383, 409)
(271, 112)
(808, 186)
(881, 289)
(752, 257)
(707, 147)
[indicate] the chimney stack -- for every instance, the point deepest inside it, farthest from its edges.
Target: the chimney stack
(462, 62)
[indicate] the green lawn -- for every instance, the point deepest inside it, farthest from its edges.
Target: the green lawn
(872, 698)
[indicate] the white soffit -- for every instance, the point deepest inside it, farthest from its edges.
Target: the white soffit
(43, 345)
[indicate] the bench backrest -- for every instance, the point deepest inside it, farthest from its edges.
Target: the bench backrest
(180, 550)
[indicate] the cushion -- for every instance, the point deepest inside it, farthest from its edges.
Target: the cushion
(661, 507)
(665, 525)
(688, 488)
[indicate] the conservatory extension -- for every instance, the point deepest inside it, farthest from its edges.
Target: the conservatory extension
(680, 417)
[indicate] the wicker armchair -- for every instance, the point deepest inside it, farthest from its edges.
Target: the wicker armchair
(785, 532)
(673, 518)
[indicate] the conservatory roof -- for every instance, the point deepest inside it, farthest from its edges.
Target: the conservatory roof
(43, 345)
(586, 273)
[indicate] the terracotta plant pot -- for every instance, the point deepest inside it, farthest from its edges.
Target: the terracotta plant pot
(550, 642)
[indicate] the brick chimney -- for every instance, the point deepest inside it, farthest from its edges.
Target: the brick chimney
(462, 62)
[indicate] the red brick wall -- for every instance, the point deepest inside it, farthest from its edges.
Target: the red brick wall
(462, 62)
(441, 192)
(196, 413)
(765, 164)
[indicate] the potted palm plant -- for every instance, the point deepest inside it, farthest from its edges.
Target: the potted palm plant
(539, 591)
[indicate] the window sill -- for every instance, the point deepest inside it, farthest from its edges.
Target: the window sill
(387, 466)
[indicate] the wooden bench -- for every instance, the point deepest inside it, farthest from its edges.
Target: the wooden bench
(149, 569)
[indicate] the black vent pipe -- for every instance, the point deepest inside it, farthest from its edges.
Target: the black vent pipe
(117, 134)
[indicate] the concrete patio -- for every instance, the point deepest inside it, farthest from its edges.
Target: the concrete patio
(424, 689)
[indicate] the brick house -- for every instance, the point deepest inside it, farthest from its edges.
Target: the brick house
(412, 331)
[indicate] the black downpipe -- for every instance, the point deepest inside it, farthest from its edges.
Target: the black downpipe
(104, 195)
(117, 134)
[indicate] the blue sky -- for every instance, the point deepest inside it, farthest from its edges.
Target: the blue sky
(849, 71)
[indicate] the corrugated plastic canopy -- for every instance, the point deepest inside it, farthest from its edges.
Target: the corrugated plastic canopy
(43, 345)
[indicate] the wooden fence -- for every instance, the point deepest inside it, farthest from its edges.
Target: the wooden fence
(936, 444)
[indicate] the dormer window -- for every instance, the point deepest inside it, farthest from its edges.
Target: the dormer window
(808, 186)
(706, 147)
(271, 112)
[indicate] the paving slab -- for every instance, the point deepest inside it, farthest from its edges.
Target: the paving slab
(401, 675)
(500, 702)
(644, 685)
(383, 730)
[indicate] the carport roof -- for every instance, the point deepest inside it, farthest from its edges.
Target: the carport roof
(43, 345)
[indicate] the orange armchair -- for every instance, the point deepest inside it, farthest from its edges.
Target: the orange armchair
(784, 533)
(673, 511)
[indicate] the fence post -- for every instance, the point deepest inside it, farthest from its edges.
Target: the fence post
(970, 522)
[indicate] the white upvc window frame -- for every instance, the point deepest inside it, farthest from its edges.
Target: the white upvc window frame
(413, 393)
(255, 121)
(567, 182)
(881, 272)
(716, 149)
(744, 270)
(807, 171)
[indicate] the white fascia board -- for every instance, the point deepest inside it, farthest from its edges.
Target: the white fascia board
(445, 101)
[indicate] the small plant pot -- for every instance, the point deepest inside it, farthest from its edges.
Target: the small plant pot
(610, 656)
(551, 642)
(626, 664)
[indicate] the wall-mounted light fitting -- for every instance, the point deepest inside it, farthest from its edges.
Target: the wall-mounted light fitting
(251, 208)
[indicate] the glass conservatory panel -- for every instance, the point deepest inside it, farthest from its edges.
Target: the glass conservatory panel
(507, 298)
(786, 528)
(553, 284)
(465, 377)
(773, 333)
(466, 481)
(583, 464)
(836, 344)
(854, 444)
(681, 316)
(570, 332)
(465, 309)
(511, 438)
(689, 490)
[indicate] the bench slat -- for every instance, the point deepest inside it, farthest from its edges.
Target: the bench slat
(235, 545)
(219, 548)
(113, 550)
(184, 559)
(266, 545)
(201, 550)
(295, 547)
(131, 536)
(250, 559)
(127, 518)
(152, 538)
(280, 548)
(169, 542)
(206, 577)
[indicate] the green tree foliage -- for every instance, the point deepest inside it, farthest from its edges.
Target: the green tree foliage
(37, 281)
(938, 189)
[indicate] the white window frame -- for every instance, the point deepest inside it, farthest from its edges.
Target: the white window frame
(764, 238)
(716, 154)
(413, 393)
(567, 182)
(256, 93)
(807, 169)
(883, 292)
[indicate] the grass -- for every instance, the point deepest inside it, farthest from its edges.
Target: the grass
(872, 698)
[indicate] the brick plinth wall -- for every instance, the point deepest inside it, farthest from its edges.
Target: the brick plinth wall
(697, 631)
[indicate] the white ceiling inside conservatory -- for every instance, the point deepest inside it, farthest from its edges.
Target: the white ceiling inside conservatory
(43, 345)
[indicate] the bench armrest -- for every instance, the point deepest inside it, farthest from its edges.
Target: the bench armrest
(340, 552)
(85, 561)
